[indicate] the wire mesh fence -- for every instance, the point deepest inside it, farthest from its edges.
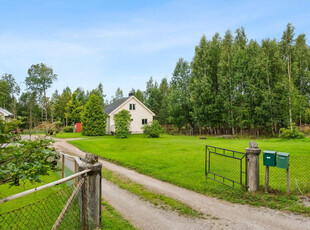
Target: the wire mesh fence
(44, 213)
(299, 176)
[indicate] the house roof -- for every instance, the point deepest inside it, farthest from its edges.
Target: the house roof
(5, 112)
(110, 108)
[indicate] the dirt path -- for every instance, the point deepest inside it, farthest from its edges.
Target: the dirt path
(230, 216)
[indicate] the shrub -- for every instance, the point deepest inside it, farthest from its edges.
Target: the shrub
(154, 130)
(93, 118)
(291, 134)
(122, 124)
(68, 129)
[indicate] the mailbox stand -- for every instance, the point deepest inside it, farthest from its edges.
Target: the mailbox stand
(267, 179)
(283, 162)
(269, 159)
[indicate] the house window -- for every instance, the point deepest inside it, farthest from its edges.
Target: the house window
(144, 121)
(132, 106)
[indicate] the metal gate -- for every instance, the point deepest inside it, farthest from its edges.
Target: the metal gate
(226, 166)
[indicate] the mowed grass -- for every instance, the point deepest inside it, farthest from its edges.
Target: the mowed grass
(69, 135)
(6, 190)
(180, 160)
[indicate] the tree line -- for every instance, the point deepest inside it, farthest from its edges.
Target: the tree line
(232, 85)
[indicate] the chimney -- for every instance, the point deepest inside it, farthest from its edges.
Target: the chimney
(130, 94)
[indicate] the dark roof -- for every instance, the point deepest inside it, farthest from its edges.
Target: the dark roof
(5, 112)
(110, 108)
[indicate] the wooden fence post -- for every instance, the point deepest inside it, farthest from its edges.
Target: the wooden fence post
(90, 194)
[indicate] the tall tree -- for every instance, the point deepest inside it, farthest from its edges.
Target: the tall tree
(201, 84)
(287, 44)
(164, 91)
(118, 94)
(138, 94)
(74, 110)
(40, 79)
(153, 96)
(93, 118)
(226, 83)
(29, 108)
(13, 88)
(179, 104)
(5, 99)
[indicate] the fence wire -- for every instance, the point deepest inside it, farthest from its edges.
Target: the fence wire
(299, 176)
(43, 214)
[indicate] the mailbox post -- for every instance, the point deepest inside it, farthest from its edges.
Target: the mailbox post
(283, 162)
(269, 159)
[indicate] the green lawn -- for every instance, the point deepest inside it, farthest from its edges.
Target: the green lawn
(180, 160)
(70, 135)
(6, 190)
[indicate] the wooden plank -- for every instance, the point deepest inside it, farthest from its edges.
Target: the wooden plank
(67, 206)
(62, 166)
(75, 171)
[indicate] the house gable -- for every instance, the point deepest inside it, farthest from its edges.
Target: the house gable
(140, 114)
(117, 109)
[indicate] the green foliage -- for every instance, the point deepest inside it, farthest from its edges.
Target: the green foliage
(6, 129)
(74, 110)
(179, 105)
(122, 123)
(26, 161)
(58, 124)
(68, 129)
(291, 134)
(154, 130)
(93, 118)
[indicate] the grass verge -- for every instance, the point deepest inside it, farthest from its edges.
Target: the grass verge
(112, 220)
(158, 200)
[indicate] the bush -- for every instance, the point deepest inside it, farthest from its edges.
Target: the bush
(93, 118)
(122, 123)
(291, 134)
(68, 129)
(154, 130)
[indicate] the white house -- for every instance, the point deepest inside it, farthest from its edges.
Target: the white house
(5, 115)
(140, 114)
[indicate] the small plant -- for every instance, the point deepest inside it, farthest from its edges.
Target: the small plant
(68, 129)
(291, 134)
(122, 124)
(154, 130)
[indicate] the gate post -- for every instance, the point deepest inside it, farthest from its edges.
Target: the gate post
(90, 194)
(252, 163)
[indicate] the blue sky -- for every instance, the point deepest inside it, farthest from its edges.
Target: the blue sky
(123, 43)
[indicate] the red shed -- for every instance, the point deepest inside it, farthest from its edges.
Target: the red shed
(78, 127)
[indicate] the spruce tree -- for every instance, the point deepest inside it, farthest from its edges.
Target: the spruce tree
(93, 118)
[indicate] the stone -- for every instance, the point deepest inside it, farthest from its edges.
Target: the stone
(253, 145)
(91, 158)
